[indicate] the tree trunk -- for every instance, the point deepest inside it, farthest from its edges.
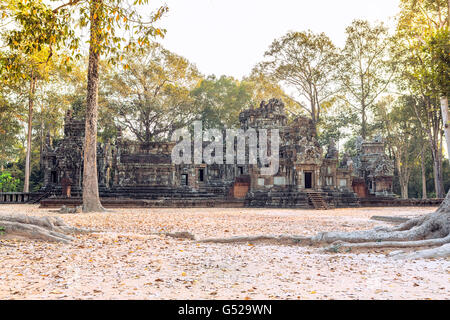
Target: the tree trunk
(445, 119)
(424, 178)
(403, 175)
(363, 109)
(41, 146)
(437, 172)
(431, 131)
(404, 190)
(441, 192)
(363, 124)
(26, 184)
(91, 198)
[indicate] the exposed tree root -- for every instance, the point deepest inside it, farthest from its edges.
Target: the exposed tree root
(177, 235)
(429, 230)
(339, 245)
(281, 239)
(439, 252)
(392, 219)
(38, 228)
(409, 224)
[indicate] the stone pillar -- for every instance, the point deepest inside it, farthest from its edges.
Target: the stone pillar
(318, 185)
(300, 180)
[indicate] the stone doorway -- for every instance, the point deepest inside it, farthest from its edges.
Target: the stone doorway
(201, 175)
(184, 179)
(308, 180)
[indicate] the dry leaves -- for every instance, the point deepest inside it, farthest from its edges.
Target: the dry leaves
(128, 262)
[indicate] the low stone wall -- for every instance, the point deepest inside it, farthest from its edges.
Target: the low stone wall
(341, 199)
(142, 203)
(277, 199)
(20, 197)
(395, 202)
(295, 199)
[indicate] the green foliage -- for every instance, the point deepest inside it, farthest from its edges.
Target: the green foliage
(423, 46)
(118, 28)
(350, 146)
(158, 91)
(422, 51)
(151, 98)
(306, 62)
(415, 183)
(262, 86)
(38, 29)
(219, 101)
(438, 48)
(402, 134)
(364, 69)
(8, 183)
(338, 123)
(9, 129)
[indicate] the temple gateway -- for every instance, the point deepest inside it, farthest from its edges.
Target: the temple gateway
(306, 178)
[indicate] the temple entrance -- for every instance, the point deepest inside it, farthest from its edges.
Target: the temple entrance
(201, 175)
(184, 179)
(54, 177)
(308, 180)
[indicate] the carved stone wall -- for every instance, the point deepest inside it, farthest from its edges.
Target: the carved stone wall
(65, 156)
(132, 169)
(138, 164)
(373, 167)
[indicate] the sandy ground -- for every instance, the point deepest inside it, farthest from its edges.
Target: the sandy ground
(125, 262)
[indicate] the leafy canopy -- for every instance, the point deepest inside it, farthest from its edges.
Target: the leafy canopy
(38, 25)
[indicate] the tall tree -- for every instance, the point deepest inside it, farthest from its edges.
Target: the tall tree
(152, 96)
(364, 69)
(306, 62)
(9, 129)
(24, 74)
(423, 173)
(422, 50)
(397, 120)
(264, 86)
(27, 58)
(114, 26)
(220, 100)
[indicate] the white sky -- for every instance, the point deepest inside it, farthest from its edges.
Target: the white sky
(230, 36)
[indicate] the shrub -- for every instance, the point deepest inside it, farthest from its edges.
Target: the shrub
(8, 183)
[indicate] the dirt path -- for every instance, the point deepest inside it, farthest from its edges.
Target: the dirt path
(127, 263)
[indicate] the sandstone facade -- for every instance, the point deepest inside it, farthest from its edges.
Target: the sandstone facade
(145, 171)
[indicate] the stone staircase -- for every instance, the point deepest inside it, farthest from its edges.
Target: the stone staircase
(317, 200)
(277, 199)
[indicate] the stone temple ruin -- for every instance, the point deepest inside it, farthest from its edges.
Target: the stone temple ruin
(374, 171)
(306, 178)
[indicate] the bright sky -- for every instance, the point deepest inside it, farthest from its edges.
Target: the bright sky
(230, 36)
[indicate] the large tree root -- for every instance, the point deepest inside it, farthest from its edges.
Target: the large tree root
(38, 228)
(439, 252)
(392, 219)
(177, 235)
(429, 230)
(281, 239)
(340, 245)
